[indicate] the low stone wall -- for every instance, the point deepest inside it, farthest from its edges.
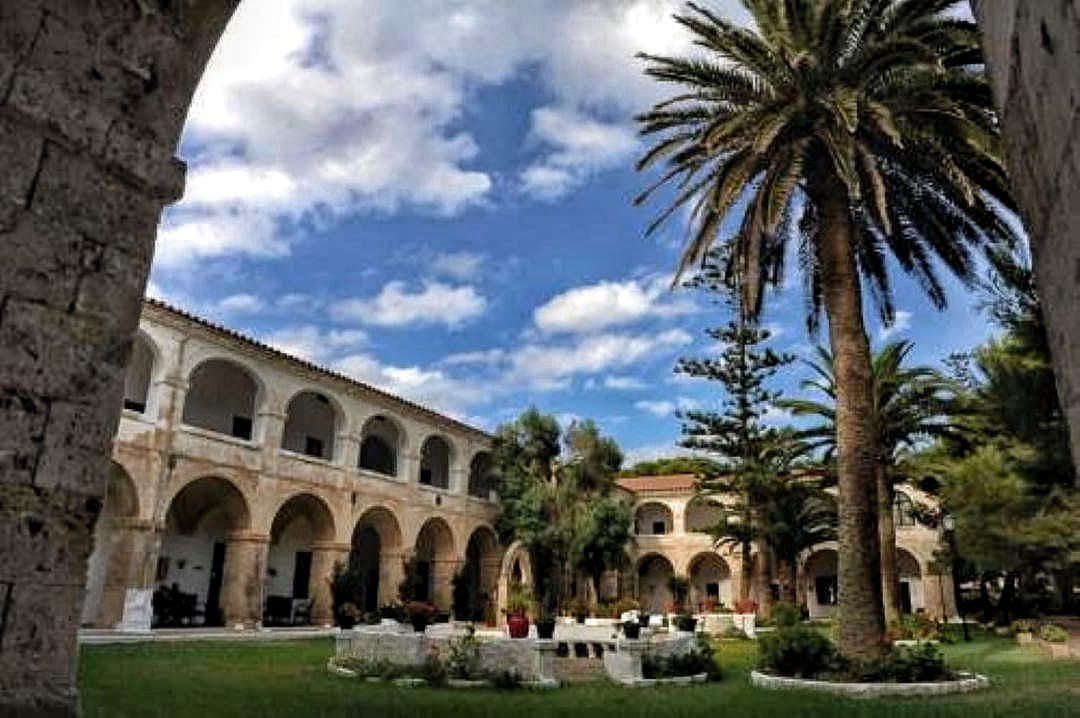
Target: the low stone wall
(623, 665)
(965, 684)
(531, 659)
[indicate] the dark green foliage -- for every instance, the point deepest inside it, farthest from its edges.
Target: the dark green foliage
(923, 662)
(346, 587)
(700, 659)
(559, 504)
(797, 650)
(882, 103)
(413, 586)
(698, 466)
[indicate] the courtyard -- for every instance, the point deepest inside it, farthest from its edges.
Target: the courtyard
(290, 679)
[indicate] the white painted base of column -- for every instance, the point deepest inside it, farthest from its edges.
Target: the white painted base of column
(138, 611)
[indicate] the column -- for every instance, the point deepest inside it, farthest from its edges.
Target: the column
(129, 582)
(324, 556)
(242, 584)
(347, 449)
(391, 574)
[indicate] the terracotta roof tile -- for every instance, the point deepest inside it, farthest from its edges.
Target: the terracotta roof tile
(671, 482)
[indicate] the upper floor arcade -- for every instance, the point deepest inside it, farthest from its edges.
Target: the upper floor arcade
(224, 397)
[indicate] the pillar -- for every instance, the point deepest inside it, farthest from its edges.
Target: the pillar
(347, 449)
(127, 599)
(324, 556)
(391, 574)
(242, 586)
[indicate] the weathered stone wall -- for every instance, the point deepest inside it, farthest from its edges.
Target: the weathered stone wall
(1033, 53)
(92, 99)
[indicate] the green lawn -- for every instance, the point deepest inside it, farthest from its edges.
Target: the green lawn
(290, 679)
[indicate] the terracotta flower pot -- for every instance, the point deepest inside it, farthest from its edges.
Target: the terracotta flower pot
(518, 625)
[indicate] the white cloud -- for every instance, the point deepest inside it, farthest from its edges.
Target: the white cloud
(607, 304)
(430, 387)
(656, 408)
(462, 266)
(578, 146)
(242, 303)
(901, 324)
(651, 452)
(775, 416)
(483, 357)
(201, 235)
(312, 343)
(624, 383)
(326, 108)
(547, 367)
(396, 306)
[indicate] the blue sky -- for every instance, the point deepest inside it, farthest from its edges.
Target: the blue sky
(434, 196)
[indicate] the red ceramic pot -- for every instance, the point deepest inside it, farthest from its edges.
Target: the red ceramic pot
(518, 624)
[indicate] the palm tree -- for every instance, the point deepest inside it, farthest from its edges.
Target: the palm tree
(797, 515)
(910, 404)
(858, 129)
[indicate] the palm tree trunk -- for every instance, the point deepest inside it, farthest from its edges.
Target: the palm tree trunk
(890, 578)
(789, 589)
(764, 580)
(861, 615)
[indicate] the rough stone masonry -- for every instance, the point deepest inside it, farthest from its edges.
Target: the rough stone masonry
(93, 96)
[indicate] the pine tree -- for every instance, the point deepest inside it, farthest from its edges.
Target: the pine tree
(735, 436)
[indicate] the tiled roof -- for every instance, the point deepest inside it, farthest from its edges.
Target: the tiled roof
(671, 482)
(219, 329)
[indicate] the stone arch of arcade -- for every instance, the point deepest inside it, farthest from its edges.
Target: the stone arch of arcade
(377, 552)
(653, 518)
(710, 582)
(300, 560)
(223, 397)
(653, 572)
(210, 566)
(117, 551)
(483, 562)
(436, 561)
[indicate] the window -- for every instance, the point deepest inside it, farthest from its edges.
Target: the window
(132, 405)
(313, 447)
(241, 427)
(905, 510)
(658, 527)
(712, 590)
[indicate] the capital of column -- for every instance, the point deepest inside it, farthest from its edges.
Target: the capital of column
(246, 537)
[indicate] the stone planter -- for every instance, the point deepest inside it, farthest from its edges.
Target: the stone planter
(1025, 638)
(966, 683)
(1059, 650)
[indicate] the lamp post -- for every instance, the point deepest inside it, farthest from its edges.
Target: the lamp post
(948, 522)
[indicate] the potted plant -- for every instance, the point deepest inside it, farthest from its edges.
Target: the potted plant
(643, 618)
(685, 622)
(1056, 638)
(348, 613)
(545, 627)
(680, 589)
(578, 609)
(420, 614)
(632, 630)
(1024, 629)
(517, 605)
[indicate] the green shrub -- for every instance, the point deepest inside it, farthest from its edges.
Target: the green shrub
(434, 669)
(902, 664)
(699, 660)
(1023, 625)
(1052, 633)
(463, 660)
(785, 615)
(796, 650)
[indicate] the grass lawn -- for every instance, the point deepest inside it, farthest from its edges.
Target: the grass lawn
(290, 679)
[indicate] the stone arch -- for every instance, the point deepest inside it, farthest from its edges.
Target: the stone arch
(653, 572)
(201, 563)
(312, 420)
(653, 518)
(376, 552)
(302, 522)
(480, 575)
(436, 560)
(516, 568)
(436, 460)
(381, 442)
(223, 396)
(113, 559)
(822, 588)
(700, 514)
(481, 480)
(710, 582)
(909, 570)
(139, 377)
